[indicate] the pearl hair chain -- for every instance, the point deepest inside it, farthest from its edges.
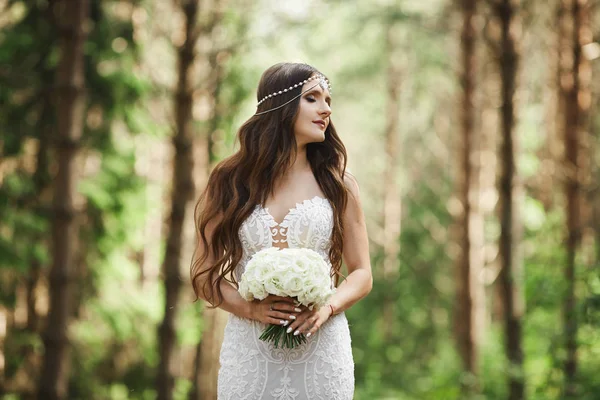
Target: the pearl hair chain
(322, 81)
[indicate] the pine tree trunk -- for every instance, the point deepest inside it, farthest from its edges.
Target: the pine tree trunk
(70, 106)
(392, 207)
(470, 291)
(182, 193)
(595, 183)
(206, 366)
(215, 56)
(510, 277)
(194, 393)
(489, 133)
(574, 80)
(210, 348)
(41, 180)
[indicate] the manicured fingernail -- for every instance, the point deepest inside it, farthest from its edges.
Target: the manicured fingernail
(297, 309)
(286, 323)
(289, 329)
(292, 317)
(296, 333)
(282, 322)
(308, 334)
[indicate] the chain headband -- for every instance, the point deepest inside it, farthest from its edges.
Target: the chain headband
(322, 81)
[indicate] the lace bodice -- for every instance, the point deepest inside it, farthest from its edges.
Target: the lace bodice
(308, 225)
(323, 367)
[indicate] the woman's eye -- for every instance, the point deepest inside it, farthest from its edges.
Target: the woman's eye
(310, 99)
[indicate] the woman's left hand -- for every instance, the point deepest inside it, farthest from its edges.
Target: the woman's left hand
(309, 321)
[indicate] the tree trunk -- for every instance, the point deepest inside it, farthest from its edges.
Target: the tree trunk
(510, 277)
(207, 355)
(574, 81)
(470, 290)
(215, 56)
(194, 393)
(41, 180)
(595, 183)
(182, 193)
(488, 134)
(206, 366)
(70, 106)
(392, 206)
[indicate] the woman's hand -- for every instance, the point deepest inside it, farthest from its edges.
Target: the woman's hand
(274, 310)
(309, 321)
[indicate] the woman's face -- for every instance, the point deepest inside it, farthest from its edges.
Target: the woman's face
(313, 113)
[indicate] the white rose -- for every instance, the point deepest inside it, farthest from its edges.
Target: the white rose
(300, 273)
(293, 285)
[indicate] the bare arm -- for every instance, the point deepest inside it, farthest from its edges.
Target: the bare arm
(271, 310)
(359, 281)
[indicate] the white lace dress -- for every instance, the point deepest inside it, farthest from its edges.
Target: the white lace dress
(322, 368)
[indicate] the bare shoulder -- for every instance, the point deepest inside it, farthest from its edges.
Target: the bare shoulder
(353, 209)
(352, 184)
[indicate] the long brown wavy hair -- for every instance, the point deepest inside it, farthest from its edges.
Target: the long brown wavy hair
(247, 178)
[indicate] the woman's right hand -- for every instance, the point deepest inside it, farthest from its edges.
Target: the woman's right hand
(275, 310)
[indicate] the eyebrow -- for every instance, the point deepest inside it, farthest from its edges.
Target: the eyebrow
(315, 90)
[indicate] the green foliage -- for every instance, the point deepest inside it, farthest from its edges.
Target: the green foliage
(117, 309)
(417, 361)
(116, 322)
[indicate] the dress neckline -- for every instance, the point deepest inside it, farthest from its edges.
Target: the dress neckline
(285, 217)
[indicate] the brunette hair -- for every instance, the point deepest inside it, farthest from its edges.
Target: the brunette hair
(240, 182)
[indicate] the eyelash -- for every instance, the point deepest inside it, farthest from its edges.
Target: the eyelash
(311, 99)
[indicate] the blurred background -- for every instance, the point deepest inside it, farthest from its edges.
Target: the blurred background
(472, 127)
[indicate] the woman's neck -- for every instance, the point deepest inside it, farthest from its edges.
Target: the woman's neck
(300, 164)
(299, 170)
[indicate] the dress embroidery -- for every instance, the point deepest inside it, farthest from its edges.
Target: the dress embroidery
(323, 367)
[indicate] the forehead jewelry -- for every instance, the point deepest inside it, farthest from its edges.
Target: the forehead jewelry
(321, 81)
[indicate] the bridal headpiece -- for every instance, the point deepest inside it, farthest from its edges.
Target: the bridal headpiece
(321, 81)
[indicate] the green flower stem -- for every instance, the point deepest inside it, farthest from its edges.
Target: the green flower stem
(277, 334)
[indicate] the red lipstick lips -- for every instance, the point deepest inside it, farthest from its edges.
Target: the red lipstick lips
(321, 123)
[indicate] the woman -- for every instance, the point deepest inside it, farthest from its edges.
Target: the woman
(286, 186)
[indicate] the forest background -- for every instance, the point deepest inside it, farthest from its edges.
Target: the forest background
(472, 127)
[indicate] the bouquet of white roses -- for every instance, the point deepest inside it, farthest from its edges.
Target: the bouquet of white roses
(298, 273)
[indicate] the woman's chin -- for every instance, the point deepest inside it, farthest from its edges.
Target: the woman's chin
(319, 138)
(312, 139)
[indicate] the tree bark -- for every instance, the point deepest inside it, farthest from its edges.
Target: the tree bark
(595, 183)
(70, 106)
(576, 99)
(194, 393)
(470, 291)
(182, 193)
(510, 277)
(215, 56)
(206, 366)
(464, 301)
(41, 180)
(208, 351)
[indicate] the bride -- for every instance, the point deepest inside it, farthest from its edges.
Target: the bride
(287, 187)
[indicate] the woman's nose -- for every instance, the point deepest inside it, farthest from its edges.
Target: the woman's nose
(326, 110)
